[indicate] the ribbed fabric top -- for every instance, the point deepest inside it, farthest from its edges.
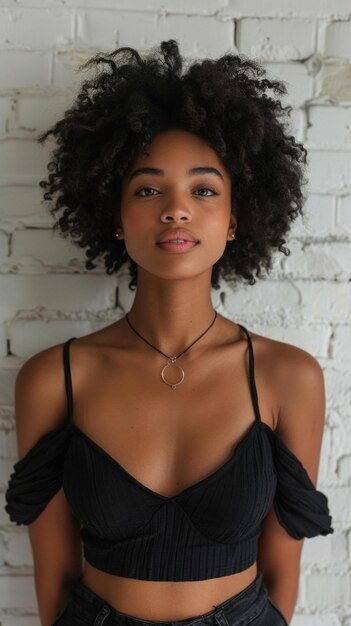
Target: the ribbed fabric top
(210, 529)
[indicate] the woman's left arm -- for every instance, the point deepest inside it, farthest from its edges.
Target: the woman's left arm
(298, 383)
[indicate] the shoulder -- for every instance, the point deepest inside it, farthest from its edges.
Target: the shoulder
(40, 398)
(296, 381)
(294, 376)
(297, 374)
(40, 370)
(43, 372)
(286, 360)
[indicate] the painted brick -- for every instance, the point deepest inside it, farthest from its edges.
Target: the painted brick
(329, 171)
(4, 519)
(328, 591)
(4, 245)
(13, 620)
(238, 8)
(65, 292)
(266, 8)
(337, 40)
(341, 345)
(32, 69)
(268, 295)
(284, 8)
(334, 81)
(318, 218)
(343, 216)
(337, 497)
(298, 82)
(17, 592)
(6, 469)
(326, 473)
(35, 113)
(18, 551)
(344, 470)
(29, 337)
(196, 35)
(5, 111)
(21, 205)
(33, 247)
(310, 260)
(27, 158)
(314, 339)
(338, 390)
(296, 122)
(7, 382)
(125, 295)
(8, 445)
(2, 550)
(306, 300)
(329, 127)
(19, 27)
(324, 300)
(7, 421)
(207, 7)
(315, 620)
(65, 73)
(341, 441)
(315, 300)
(276, 40)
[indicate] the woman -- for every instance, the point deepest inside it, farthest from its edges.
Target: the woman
(187, 447)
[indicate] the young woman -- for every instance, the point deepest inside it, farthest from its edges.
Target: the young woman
(168, 462)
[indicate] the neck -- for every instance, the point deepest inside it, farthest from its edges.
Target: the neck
(172, 314)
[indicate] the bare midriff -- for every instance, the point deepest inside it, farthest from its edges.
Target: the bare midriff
(165, 600)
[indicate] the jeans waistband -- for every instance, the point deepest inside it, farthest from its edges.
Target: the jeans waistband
(253, 598)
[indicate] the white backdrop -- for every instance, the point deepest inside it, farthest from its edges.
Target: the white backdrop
(46, 295)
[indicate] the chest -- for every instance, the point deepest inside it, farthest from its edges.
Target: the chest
(167, 439)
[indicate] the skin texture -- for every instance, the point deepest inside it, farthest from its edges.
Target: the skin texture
(121, 403)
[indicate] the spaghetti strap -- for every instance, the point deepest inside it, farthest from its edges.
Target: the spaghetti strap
(68, 378)
(253, 389)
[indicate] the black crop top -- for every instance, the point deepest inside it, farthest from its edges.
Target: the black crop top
(210, 529)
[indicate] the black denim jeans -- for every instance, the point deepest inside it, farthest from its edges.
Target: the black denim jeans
(251, 606)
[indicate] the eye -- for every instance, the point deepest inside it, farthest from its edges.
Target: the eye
(137, 193)
(207, 189)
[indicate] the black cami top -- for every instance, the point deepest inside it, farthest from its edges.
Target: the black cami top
(208, 530)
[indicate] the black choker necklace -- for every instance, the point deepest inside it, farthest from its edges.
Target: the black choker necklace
(171, 359)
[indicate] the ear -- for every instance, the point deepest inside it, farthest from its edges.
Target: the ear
(117, 222)
(233, 224)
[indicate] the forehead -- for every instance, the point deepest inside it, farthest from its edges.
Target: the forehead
(177, 150)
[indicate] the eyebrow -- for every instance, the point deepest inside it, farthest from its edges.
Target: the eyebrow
(192, 172)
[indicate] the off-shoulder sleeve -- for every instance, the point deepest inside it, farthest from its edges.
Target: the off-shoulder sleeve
(37, 477)
(300, 508)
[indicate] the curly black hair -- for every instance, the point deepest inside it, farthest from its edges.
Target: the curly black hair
(230, 102)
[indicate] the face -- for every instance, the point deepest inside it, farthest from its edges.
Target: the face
(174, 193)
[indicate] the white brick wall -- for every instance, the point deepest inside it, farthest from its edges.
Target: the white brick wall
(307, 299)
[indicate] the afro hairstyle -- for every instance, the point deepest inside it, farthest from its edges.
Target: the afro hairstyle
(230, 102)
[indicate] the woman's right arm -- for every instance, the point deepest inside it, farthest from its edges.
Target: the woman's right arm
(40, 406)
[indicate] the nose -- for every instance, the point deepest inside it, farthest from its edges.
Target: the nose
(175, 210)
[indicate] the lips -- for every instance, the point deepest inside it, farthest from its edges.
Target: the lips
(172, 234)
